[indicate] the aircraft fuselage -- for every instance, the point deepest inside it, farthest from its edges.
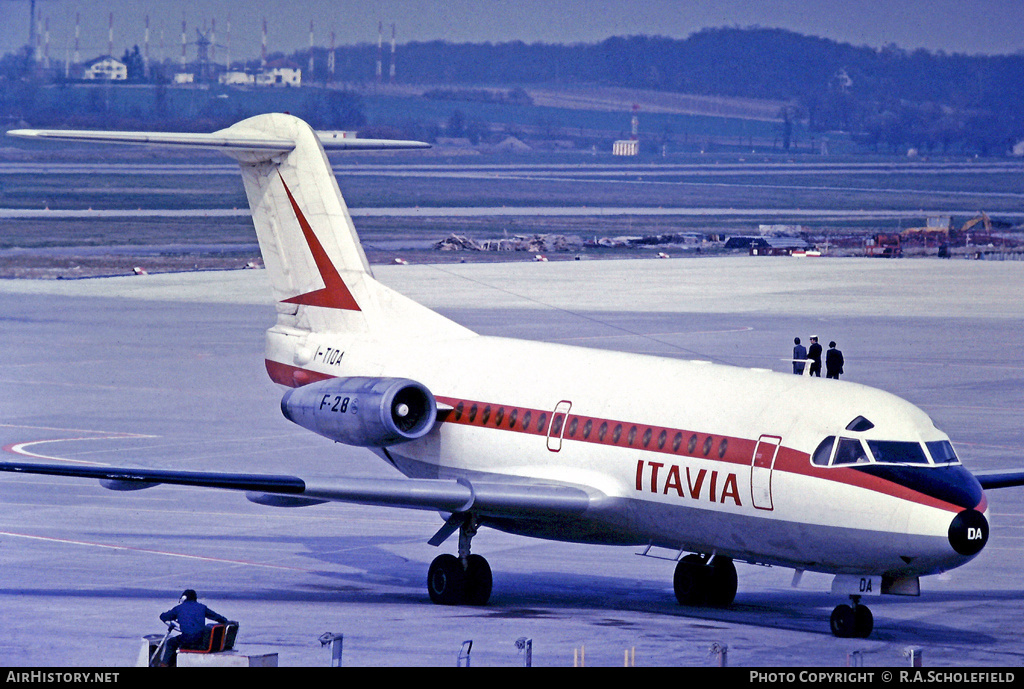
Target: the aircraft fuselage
(691, 456)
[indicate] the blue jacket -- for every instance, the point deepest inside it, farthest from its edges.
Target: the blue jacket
(191, 617)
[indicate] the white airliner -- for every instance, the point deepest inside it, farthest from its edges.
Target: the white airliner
(581, 445)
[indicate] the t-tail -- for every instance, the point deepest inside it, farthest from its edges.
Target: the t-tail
(321, 280)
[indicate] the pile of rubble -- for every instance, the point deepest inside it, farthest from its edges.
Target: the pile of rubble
(532, 243)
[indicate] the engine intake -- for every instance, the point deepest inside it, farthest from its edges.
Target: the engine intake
(368, 412)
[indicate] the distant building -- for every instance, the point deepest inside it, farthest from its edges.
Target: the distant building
(512, 145)
(105, 68)
(280, 73)
(237, 78)
(626, 147)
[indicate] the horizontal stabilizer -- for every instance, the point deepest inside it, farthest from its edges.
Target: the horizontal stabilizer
(225, 139)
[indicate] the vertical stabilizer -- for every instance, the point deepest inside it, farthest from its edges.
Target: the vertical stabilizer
(318, 270)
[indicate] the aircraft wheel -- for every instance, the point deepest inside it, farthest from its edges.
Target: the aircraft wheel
(843, 622)
(690, 581)
(446, 580)
(478, 580)
(863, 622)
(722, 582)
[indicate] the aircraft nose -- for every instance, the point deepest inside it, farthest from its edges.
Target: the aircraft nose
(968, 532)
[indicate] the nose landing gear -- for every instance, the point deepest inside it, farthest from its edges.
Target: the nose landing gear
(852, 621)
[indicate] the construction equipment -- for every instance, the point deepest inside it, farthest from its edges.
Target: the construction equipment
(885, 244)
(981, 218)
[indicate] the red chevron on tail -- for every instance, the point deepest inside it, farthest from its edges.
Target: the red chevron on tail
(335, 294)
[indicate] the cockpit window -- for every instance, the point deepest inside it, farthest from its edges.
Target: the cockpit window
(942, 452)
(849, 451)
(846, 451)
(859, 425)
(896, 452)
(824, 451)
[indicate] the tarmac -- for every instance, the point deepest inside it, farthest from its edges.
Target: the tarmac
(167, 371)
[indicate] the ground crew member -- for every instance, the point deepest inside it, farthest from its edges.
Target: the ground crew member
(191, 616)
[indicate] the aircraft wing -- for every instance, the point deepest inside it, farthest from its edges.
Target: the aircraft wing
(225, 139)
(491, 498)
(1000, 479)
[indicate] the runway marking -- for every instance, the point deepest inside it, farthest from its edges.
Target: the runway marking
(21, 448)
(148, 551)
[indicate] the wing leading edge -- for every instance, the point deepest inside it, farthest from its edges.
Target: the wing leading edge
(1000, 479)
(497, 499)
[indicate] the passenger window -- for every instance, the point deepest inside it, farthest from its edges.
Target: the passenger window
(556, 424)
(849, 451)
(824, 452)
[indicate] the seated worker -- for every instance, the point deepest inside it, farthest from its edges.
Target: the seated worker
(191, 616)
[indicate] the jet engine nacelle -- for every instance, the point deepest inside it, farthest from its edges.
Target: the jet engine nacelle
(368, 412)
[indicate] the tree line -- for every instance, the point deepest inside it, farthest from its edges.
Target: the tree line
(888, 99)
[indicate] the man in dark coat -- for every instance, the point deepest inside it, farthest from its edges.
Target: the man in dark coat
(191, 616)
(814, 354)
(799, 354)
(833, 361)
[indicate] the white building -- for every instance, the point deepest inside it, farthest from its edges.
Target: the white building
(237, 78)
(626, 147)
(280, 73)
(105, 68)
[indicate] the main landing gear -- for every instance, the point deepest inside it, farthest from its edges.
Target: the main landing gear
(705, 581)
(852, 621)
(462, 580)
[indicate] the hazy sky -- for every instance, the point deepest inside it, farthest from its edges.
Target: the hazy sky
(978, 26)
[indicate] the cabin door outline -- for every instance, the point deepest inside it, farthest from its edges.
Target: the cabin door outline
(556, 429)
(761, 466)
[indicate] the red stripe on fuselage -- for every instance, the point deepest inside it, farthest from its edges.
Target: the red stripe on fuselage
(641, 437)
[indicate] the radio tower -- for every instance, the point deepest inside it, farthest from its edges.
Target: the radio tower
(330, 59)
(184, 42)
(392, 72)
(310, 48)
(380, 50)
(263, 58)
